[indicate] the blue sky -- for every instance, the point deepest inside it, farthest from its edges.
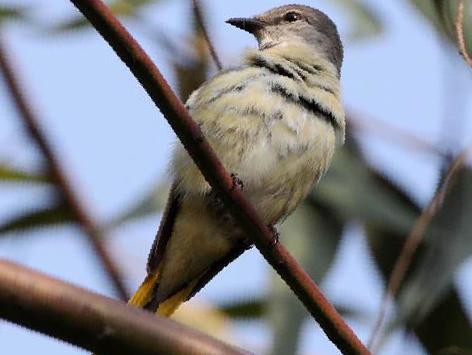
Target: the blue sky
(115, 145)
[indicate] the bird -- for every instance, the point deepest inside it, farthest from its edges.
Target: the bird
(274, 121)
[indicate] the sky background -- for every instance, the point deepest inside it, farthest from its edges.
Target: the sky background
(114, 145)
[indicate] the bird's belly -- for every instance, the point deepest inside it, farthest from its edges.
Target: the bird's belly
(281, 175)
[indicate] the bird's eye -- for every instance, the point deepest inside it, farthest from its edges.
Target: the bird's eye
(292, 16)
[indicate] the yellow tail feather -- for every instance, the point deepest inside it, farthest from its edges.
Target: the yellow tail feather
(167, 307)
(145, 291)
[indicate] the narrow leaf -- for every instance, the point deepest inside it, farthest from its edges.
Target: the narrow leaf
(442, 16)
(256, 309)
(365, 22)
(153, 203)
(357, 192)
(312, 235)
(11, 174)
(449, 245)
(39, 218)
(12, 13)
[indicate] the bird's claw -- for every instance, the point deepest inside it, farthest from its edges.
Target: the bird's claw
(276, 235)
(237, 182)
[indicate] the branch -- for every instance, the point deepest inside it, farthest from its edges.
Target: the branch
(398, 135)
(94, 322)
(199, 17)
(460, 34)
(80, 213)
(201, 152)
(413, 241)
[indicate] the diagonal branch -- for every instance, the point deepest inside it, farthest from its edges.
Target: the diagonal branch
(386, 130)
(94, 322)
(201, 152)
(413, 241)
(197, 10)
(71, 198)
(460, 34)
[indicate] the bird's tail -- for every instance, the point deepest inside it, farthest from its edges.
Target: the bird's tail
(167, 306)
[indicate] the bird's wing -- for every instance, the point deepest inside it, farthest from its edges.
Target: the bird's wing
(238, 249)
(165, 229)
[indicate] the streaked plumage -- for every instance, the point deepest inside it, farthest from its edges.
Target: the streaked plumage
(274, 121)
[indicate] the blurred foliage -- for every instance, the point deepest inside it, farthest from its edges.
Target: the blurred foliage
(365, 22)
(449, 244)
(428, 303)
(311, 234)
(49, 216)
(12, 13)
(121, 8)
(442, 15)
(12, 174)
(257, 309)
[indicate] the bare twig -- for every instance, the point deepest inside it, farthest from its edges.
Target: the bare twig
(199, 17)
(460, 34)
(386, 130)
(94, 322)
(81, 215)
(201, 152)
(404, 260)
(414, 239)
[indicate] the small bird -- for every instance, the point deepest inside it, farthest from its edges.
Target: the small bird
(275, 121)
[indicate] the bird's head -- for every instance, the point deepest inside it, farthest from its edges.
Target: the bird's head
(294, 24)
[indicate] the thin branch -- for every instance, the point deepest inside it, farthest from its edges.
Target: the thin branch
(221, 181)
(82, 216)
(199, 17)
(460, 33)
(413, 241)
(386, 130)
(94, 322)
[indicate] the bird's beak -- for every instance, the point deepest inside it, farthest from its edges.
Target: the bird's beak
(251, 25)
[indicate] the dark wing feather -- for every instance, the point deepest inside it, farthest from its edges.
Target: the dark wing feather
(165, 229)
(214, 269)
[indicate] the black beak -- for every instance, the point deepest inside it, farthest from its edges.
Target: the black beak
(251, 25)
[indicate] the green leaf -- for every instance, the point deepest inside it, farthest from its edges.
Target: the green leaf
(152, 203)
(39, 218)
(357, 192)
(120, 8)
(446, 330)
(10, 174)
(365, 22)
(427, 302)
(312, 234)
(442, 15)
(191, 67)
(446, 324)
(12, 13)
(256, 309)
(449, 244)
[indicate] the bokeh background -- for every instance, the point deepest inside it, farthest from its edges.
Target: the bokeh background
(408, 96)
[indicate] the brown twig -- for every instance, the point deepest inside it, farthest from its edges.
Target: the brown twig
(81, 215)
(199, 17)
(396, 134)
(460, 34)
(221, 181)
(413, 241)
(94, 322)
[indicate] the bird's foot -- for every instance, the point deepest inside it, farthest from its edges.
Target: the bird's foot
(237, 182)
